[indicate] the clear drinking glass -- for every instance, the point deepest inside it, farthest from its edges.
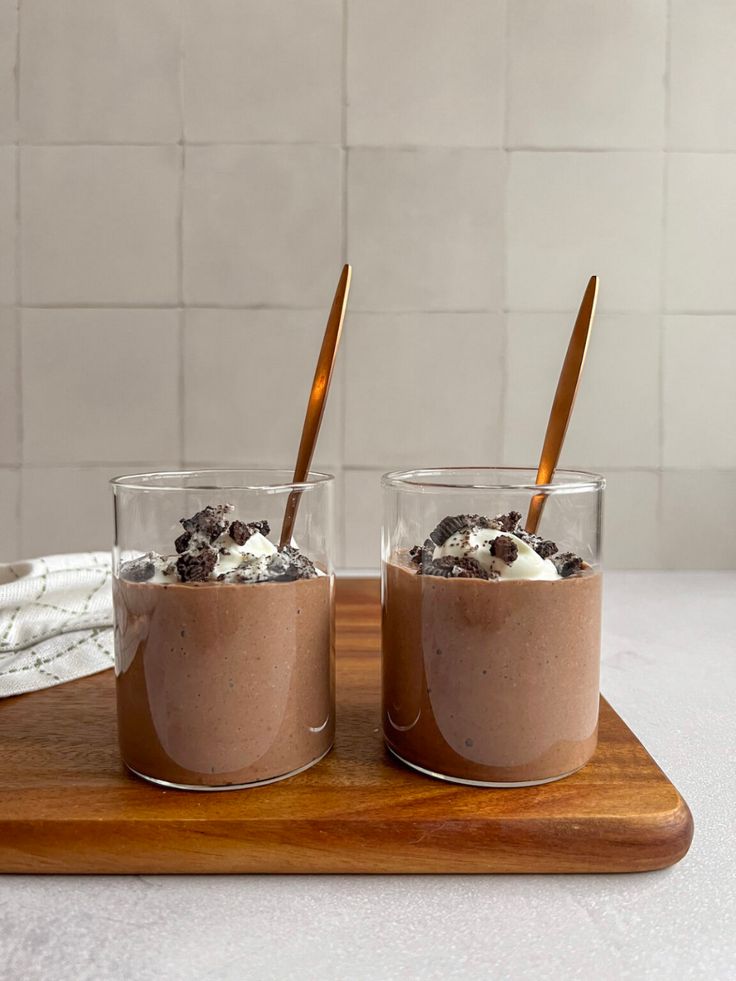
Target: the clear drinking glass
(493, 682)
(223, 683)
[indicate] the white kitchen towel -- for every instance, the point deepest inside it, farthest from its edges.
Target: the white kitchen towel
(55, 620)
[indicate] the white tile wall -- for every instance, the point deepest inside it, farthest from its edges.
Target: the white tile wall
(127, 408)
(631, 520)
(574, 214)
(99, 224)
(363, 517)
(700, 239)
(573, 66)
(8, 229)
(617, 413)
(426, 72)
(9, 395)
(252, 413)
(262, 225)
(248, 79)
(404, 370)
(8, 47)
(100, 71)
(10, 547)
(425, 229)
(699, 399)
(180, 183)
(702, 79)
(67, 509)
(690, 495)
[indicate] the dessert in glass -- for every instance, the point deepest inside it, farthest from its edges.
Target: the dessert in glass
(224, 638)
(491, 635)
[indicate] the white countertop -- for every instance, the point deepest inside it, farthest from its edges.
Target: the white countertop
(669, 668)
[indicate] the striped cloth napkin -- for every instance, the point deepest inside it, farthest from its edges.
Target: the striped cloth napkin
(55, 620)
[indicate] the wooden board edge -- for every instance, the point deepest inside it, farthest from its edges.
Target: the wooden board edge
(340, 847)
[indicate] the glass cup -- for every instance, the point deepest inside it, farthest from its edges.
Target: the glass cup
(225, 680)
(491, 681)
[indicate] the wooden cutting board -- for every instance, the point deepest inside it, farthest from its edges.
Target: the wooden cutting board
(68, 805)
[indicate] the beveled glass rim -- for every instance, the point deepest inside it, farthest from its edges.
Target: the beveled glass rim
(173, 480)
(563, 481)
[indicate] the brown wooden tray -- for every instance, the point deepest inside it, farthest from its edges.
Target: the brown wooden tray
(67, 804)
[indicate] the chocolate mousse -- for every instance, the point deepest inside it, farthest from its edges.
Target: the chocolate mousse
(491, 643)
(224, 657)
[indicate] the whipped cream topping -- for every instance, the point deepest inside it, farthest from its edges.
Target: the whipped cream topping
(473, 546)
(248, 559)
(475, 543)
(214, 548)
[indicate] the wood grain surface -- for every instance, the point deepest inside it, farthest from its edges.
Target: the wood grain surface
(68, 805)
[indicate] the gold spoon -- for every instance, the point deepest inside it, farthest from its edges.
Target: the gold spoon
(564, 400)
(317, 399)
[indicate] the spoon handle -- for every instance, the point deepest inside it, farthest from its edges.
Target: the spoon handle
(564, 400)
(317, 399)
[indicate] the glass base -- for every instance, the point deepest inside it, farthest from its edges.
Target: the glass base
(228, 786)
(482, 783)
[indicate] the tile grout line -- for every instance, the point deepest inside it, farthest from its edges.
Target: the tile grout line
(505, 345)
(373, 312)
(19, 426)
(180, 242)
(354, 467)
(663, 281)
(383, 147)
(343, 373)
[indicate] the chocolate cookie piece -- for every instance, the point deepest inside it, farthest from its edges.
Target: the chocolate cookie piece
(470, 568)
(196, 568)
(450, 567)
(421, 554)
(438, 567)
(459, 522)
(289, 564)
(181, 544)
(542, 546)
(210, 522)
(508, 522)
(415, 554)
(568, 564)
(241, 531)
(138, 570)
(447, 527)
(505, 548)
(545, 548)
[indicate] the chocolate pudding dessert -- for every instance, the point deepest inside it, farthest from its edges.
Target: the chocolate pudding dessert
(224, 657)
(491, 643)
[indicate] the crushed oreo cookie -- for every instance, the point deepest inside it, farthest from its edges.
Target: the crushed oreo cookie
(447, 527)
(450, 567)
(241, 531)
(544, 548)
(502, 547)
(421, 554)
(209, 550)
(286, 565)
(508, 522)
(459, 522)
(181, 544)
(198, 566)
(289, 564)
(505, 548)
(209, 523)
(138, 570)
(568, 564)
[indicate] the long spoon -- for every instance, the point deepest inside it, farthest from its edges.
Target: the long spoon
(317, 399)
(564, 400)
